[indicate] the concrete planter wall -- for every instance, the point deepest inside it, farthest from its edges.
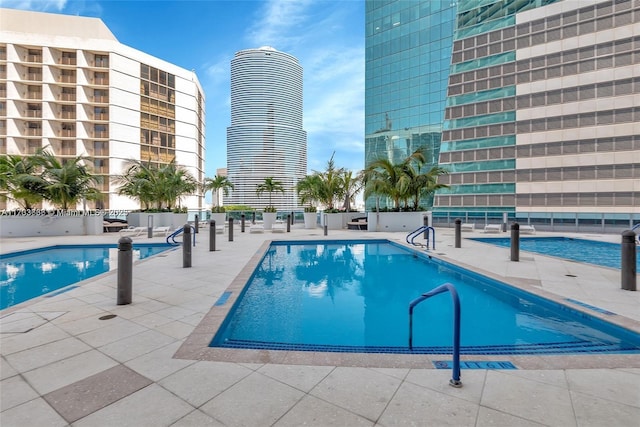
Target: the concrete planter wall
(31, 226)
(334, 221)
(395, 221)
(160, 219)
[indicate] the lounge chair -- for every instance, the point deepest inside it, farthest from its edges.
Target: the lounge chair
(492, 228)
(467, 227)
(278, 227)
(357, 223)
(256, 228)
(161, 231)
(113, 226)
(132, 231)
(527, 229)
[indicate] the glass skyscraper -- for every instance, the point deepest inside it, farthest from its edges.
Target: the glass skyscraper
(408, 54)
(531, 105)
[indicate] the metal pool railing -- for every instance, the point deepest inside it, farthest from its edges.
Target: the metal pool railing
(428, 231)
(455, 380)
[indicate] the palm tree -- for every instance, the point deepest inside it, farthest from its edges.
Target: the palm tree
(331, 184)
(351, 186)
(401, 181)
(216, 184)
(66, 182)
(19, 179)
(160, 186)
(308, 189)
(176, 182)
(425, 184)
(270, 186)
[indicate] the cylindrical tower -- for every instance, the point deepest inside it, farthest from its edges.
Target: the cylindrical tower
(265, 138)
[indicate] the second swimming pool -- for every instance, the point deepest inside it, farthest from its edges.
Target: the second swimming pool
(582, 250)
(347, 296)
(32, 273)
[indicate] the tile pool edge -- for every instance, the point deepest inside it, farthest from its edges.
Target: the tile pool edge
(196, 345)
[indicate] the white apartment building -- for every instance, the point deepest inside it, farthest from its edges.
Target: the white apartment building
(68, 85)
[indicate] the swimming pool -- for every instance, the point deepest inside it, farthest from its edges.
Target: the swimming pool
(348, 296)
(29, 274)
(582, 250)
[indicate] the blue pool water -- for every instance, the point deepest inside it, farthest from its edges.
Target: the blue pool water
(354, 297)
(581, 250)
(29, 274)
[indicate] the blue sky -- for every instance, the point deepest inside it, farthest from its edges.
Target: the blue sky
(326, 36)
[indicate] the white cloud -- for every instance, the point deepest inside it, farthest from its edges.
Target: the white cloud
(279, 23)
(38, 5)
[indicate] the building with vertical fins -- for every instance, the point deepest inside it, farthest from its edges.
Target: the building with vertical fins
(542, 113)
(67, 85)
(266, 138)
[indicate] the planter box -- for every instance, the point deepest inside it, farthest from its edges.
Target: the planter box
(31, 226)
(220, 218)
(310, 219)
(268, 218)
(395, 221)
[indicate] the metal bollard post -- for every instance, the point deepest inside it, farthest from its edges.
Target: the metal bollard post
(425, 223)
(628, 265)
(196, 224)
(253, 218)
(212, 236)
(242, 223)
(150, 226)
(231, 229)
(504, 222)
(186, 246)
(288, 223)
(293, 215)
(125, 270)
(458, 233)
(515, 242)
(326, 227)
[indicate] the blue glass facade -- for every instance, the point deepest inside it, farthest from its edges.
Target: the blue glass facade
(408, 56)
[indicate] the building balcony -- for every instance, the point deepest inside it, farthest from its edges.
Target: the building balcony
(100, 99)
(101, 81)
(67, 61)
(101, 116)
(101, 134)
(35, 77)
(33, 113)
(66, 79)
(33, 132)
(67, 97)
(33, 58)
(34, 95)
(67, 133)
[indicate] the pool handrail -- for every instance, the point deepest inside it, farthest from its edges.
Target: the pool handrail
(171, 238)
(455, 377)
(422, 229)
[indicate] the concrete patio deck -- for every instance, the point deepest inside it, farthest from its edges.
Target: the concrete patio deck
(62, 365)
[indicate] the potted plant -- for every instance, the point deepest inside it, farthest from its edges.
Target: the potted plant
(218, 214)
(404, 183)
(308, 189)
(215, 185)
(158, 188)
(270, 185)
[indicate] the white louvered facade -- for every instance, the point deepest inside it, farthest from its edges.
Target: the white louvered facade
(266, 138)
